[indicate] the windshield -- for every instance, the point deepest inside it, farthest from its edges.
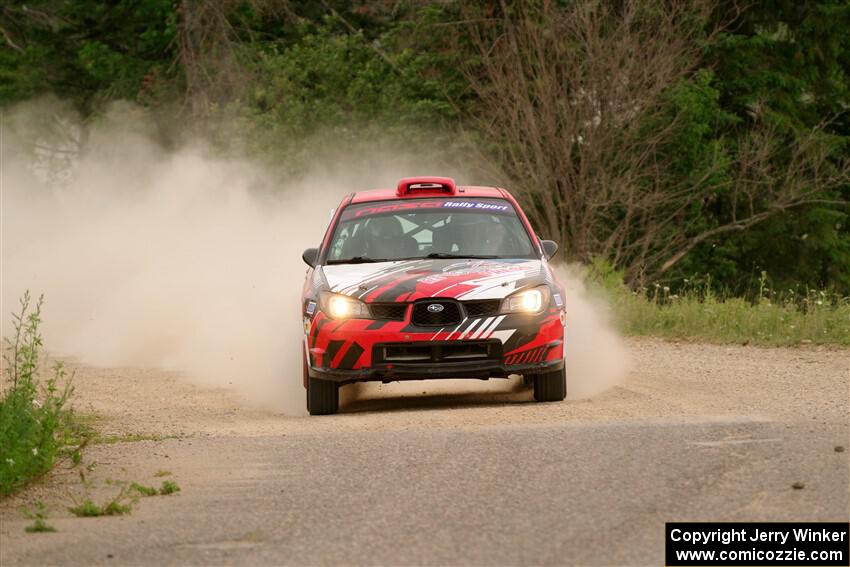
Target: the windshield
(438, 228)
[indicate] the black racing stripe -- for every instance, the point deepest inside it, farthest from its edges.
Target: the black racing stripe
(377, 278)
(376, 325)
(316, 329)
(351, 356)
(521, 338)
(402, 287)
(330, 352)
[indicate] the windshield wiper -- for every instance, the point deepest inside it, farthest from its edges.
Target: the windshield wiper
(358, 260)
(465, 256)
(432, 255)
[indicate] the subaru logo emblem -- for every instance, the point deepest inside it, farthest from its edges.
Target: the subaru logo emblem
(435, 308)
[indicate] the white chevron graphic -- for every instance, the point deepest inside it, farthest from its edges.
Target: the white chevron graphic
(456, 328)
(486, 334)
(503, 335)
(478, 332)
(471, 326)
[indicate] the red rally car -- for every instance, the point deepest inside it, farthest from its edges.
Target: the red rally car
(431, 280)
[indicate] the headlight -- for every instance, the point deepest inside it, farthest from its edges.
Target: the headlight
(528, 301)
(340, 306)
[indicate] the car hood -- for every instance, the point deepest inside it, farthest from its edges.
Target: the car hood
(409, 280)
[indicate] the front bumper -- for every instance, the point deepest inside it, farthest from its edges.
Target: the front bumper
(367, 350)
(478, 369)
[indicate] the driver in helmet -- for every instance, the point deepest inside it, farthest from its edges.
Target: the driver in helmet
(385, 238)
(471, 234)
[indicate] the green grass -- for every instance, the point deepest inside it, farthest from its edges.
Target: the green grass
(169, 487)
(697, 312)
(120, 505)
(39, 526)
(39, 518)
(35, 428)
(123, 502)
(88, 509)
(116, 509)
(143, 490)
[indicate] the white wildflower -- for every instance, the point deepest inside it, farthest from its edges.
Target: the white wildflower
(35, 451)
(11, 462)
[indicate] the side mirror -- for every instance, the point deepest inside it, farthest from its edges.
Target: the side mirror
(310, 256)
(549, 247)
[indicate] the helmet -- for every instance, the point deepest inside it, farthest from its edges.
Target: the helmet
(385, 238)
(469, 232)
(384, 227)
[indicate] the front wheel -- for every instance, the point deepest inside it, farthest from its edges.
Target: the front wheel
(550, 386)
(322, 396)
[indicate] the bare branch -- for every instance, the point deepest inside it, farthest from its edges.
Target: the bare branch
(576, 100)
(10, 42)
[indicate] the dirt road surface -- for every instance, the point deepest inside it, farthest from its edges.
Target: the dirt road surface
(696, 433)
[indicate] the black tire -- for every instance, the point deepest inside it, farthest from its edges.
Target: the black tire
(550, 386)
(306, 378)
(322, 397)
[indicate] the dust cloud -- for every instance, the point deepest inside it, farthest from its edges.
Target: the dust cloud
(596, 356)
(186, 260)
(178, 259)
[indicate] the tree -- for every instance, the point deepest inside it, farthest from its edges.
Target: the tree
(86, 51)
(790, 61)
(598, 114)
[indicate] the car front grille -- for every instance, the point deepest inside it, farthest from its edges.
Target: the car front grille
(424, 315)
(483, 308)
(451, 314)
(437, 351)
(391, 311)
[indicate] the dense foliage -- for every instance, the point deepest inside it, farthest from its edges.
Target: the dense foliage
(790, 59)
(761, 99)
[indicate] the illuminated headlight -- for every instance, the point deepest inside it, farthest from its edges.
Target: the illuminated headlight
(528, 301)
(340, 306)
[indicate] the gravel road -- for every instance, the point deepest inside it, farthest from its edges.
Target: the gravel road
(696, 433)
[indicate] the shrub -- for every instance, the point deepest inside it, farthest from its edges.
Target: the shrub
(31, 418)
